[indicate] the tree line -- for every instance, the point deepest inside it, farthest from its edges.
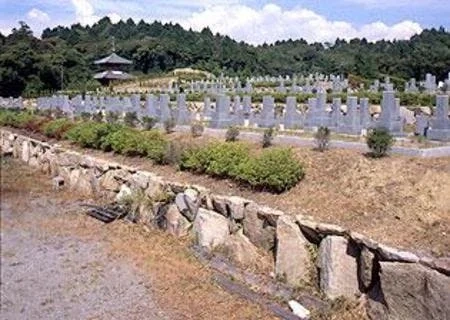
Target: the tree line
(63, 57)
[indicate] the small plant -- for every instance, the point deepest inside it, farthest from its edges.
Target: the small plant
(173, 153)
(111, 117)
(130, 119)
(197, 129)
(232, 134)
(268, 136)
(169, 125)
(148, 122)
(85, 116)
(97, 117)
(322, 137)
(379, 141)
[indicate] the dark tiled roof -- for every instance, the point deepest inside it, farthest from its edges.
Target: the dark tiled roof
(113, 59)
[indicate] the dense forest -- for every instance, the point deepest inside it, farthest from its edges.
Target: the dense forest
(29, 65)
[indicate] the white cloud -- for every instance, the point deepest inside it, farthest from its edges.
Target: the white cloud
(255, 25)
(84, 12)
(114, 17)
(38, 15)
(271, 23)
(399, 3)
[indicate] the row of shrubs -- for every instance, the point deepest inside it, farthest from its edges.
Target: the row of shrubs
(274, 170)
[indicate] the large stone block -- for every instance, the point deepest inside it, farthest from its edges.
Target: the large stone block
(25, 151)
(293, 261)
(411, 291)
(176, 224)
(338, 268)
(210, 228)
(258, 229)
(239, 248)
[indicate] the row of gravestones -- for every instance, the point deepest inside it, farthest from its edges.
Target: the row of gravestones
(309, 85)
(11, 103)
(430, 84)
(226, 112)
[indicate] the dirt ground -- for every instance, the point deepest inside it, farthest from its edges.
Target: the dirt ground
(398, 200)
(58, 263)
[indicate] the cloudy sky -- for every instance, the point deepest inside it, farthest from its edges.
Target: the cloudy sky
(253, 21)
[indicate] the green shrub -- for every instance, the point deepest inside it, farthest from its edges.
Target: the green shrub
(124, 141)
(195, 159)
(220, 159)
(90, 134)
(232, 134)
(22, 120)
(379, 141)
(224, 159)
(197, 129)
(8, 118)
(322, 138)
(275, 170)
(268, 136)
(57, 128)
(154, 145)
(148, 122)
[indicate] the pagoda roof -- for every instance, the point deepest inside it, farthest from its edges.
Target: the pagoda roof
(113, 58)
(113, 75)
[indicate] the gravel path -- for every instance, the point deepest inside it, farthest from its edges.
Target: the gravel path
(45, 276)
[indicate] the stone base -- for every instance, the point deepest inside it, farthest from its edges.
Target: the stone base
(439, 135)
(220, 124)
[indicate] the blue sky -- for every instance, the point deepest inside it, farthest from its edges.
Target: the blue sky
(249, 20)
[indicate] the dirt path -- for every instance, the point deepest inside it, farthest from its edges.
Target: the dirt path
(55, 277)
(60, 264)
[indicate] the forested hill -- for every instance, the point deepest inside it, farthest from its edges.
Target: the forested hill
(30, 65)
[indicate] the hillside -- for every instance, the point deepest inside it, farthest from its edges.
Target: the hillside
(29, 65)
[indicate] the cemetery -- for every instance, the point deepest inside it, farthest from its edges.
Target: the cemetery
(311, 180)
(354, 117)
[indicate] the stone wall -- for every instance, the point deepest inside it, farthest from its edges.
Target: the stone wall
(398, 284)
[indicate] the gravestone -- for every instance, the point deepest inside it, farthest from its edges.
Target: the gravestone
(421, 125)
(266, 118)
(221, 117)
(207, 108)
(336, 114)
(292, 117)
(238, 112)
(317, 114)
(150, 107)
(166, 112)
(365, 117)
(183, 114)
(350, 123)
(440, 123)
(390, 114)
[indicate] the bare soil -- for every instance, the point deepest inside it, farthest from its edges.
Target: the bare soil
(398, 200)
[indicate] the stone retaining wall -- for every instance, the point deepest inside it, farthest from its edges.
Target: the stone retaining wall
(398, 284)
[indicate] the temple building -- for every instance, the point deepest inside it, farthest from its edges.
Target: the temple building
(112, 66)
